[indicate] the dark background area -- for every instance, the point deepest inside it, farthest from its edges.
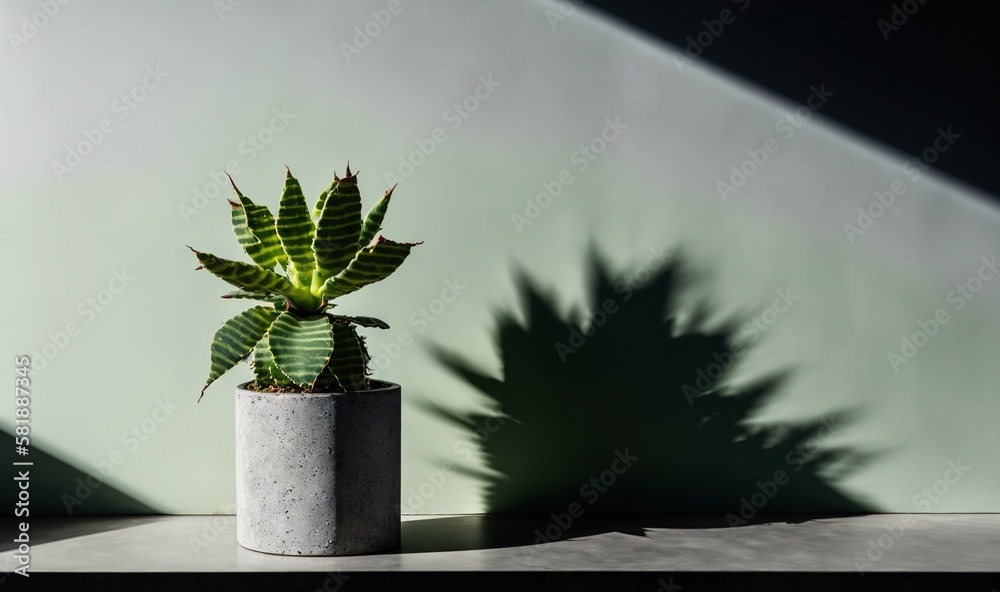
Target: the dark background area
(897, 86)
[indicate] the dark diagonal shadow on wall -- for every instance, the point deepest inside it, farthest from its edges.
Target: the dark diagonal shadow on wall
(57, 488)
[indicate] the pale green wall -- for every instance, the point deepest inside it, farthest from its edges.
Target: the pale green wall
(655, 186)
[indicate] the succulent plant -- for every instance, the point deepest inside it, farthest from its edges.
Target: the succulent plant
(293, 341)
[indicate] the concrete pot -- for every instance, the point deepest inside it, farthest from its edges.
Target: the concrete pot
(318, 474)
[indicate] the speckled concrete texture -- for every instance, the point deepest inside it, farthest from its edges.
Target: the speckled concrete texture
(318, 474)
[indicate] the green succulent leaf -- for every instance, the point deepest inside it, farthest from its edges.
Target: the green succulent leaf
(301, 346)
(246, 276)
(237, 338)
(262, 359)
(318, 208)
(264, 228)
(373, 220)
(277, 300)
(337, 231)
(244, 294)
(370, 322)
(370, 265)
(321, 200)
(264, 367)
(250, 243)
(296, 231)
(349, 362)
(303, 259)
(243, 235)
(255, 230)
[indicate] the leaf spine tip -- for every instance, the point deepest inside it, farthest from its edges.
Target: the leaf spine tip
(233, 183)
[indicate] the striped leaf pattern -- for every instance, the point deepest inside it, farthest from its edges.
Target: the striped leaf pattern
(321, 200)
(370, 265)
(292, 340)
(264, 367)
(370, 322)
(255, 231)
(237, 338)
(277, 300)
(243, 235)
(373, 220)
(349, 362)
(338, 228)
(262, 360)
(301, 346)
(268, 248)
(247, 276)
(296, 231)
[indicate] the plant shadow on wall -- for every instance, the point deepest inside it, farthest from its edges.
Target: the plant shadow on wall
(625, 415)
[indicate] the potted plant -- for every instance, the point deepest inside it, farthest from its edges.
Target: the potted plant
(317, 440)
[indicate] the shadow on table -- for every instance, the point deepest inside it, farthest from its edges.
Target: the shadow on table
(495, 531)
(51, 529)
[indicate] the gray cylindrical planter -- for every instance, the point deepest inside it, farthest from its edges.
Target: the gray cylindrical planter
(318, 474)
